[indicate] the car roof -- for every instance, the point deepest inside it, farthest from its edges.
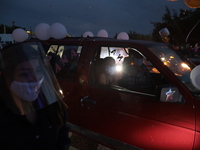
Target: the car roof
(99, 39)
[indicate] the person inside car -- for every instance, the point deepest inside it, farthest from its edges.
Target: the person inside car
(105, 71)
(135, 74)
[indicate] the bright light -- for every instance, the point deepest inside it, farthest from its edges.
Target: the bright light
(61, 92)
(162, 58)
(185, 66)
(166, 63)
(118, 68)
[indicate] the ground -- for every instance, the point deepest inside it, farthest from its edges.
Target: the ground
(81, 143)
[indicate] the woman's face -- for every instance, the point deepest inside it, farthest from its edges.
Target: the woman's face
(28, 71)
(27, 81)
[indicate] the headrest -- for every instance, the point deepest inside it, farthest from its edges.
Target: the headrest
(109, 61)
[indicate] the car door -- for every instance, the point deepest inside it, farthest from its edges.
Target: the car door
(126, 119)
(67, 58)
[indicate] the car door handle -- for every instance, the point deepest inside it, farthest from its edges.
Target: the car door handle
(89, 101)
(83, 99)
(86, 100)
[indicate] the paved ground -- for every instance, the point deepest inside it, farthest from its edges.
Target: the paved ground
(72, 148)
(81, 143)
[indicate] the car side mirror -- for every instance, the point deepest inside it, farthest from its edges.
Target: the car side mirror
(169, 93)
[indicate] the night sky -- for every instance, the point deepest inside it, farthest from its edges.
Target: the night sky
(79, 16)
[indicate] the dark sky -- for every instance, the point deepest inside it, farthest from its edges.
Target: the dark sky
(79, 16)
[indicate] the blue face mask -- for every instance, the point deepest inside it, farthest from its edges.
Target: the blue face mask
(27, 91)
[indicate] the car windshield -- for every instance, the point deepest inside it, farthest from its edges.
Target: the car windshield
(176, 63)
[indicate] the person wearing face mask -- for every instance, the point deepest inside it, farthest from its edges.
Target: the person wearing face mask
(32, 113)
(135, 74)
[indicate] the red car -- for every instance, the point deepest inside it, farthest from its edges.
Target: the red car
(128, 94)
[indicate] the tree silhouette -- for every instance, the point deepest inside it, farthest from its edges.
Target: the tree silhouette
(181, 25)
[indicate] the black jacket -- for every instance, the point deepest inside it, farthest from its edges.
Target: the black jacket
(16, 132)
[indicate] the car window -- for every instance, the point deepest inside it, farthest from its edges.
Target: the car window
(126, 68)
(64, 60)
(176, 63)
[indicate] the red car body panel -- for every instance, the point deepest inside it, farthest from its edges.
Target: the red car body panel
(132, 118)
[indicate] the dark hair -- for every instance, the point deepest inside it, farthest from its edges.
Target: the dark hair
(109, 61)
(10, 57)
(15, 54)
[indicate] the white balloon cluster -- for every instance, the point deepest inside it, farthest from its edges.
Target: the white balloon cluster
(88, 34)
(44, 31)
(104, 33)
(122, 36)
(58, 31)
(19, 35)
(101, 33)
(195, 77)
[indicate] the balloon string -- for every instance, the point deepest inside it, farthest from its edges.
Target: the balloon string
(191, 31)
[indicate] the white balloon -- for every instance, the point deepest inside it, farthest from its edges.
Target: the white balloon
(102, 33)
(123, 36)
(42, 31)
(58, 31)
(164, 32)
(88, 33)
(195, 77)
(19, 35)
